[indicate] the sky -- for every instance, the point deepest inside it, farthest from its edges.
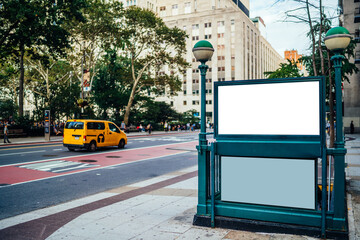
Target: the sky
(286, 35)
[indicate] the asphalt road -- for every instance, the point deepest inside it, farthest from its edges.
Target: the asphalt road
(30, 176)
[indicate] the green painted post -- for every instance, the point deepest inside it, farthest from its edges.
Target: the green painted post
(336, 40)
(203, 51)
(202, 175)
(339, 157)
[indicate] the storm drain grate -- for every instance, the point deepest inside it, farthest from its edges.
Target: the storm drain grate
(87, 160)
(113, 156)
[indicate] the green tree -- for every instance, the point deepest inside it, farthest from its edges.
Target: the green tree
(157, 112)
(53, 86)
(27, 25)
(7, 108)
(91, 36)
(150, 45)
(110, 90)
(286, 70)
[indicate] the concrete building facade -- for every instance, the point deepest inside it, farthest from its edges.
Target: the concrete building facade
(294, 56)
(350, 19)
(241, 51)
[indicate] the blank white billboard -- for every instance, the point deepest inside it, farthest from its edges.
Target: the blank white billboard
(268, 181)
(290, 108)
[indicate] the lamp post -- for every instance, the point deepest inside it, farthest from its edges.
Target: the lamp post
(203, 51)
(337, 39)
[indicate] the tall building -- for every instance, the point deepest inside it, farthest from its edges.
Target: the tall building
(293, 56)
(241, 51)
(350, 19)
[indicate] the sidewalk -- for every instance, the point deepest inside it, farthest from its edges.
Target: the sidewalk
(159, 208)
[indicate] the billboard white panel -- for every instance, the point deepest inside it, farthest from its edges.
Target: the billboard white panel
(290, 108)
(268, 181)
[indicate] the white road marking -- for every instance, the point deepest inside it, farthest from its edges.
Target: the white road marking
(58, 149)
(19, 153)
(93, 154)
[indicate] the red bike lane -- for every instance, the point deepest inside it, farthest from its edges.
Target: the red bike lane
(38, 170)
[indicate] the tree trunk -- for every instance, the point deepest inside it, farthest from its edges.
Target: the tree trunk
(21, 81)
(331, 104)
(130, 102)
(319, 42)
(312, 37)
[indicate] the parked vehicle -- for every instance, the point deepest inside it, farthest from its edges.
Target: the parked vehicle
(92, 134)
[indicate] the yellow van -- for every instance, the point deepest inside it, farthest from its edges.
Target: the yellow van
(92, 134)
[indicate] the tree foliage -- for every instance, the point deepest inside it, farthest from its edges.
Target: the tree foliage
(286, 70)
(26, 26)
(151, 45)
(157, 112)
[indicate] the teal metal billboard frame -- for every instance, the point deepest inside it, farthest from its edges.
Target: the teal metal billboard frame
(311, 147)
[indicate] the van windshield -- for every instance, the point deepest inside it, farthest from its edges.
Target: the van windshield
(74, 125)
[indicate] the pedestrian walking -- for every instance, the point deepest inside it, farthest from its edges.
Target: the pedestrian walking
(6, 132)
(123, 126)
(149, 127)
(352, 127)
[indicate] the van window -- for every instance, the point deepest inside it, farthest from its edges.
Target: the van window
(95, 125)
(113, 128)
(74, 125)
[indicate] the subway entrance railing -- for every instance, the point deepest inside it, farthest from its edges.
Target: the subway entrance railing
(268, 168)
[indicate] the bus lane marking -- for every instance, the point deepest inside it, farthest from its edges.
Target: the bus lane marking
(30, 172)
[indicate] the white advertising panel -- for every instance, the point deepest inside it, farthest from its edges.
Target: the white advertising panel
(268, 181)
(290, 108)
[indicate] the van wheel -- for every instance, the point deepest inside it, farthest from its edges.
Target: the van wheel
(92, 147)
(121, 143)
(71, 149)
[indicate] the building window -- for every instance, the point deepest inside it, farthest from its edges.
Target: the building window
(208, 25)
(172, 103)
(194, 38)
(220, 35)
(195, 26)
(184, 103)
(196, 102)
(221, 57)
(184, 82)
(209, 102)
(174, 9)
(221, 23)
(221, 69)
(207, 36)
(187, 7)
(163, 11)
(184, 92)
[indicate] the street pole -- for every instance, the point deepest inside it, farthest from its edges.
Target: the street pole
(339, 155)
(202, 138)
(337, 39)
(203, 51)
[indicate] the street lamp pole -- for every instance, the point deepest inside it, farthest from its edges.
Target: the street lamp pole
(337, 39)
(203, 51)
